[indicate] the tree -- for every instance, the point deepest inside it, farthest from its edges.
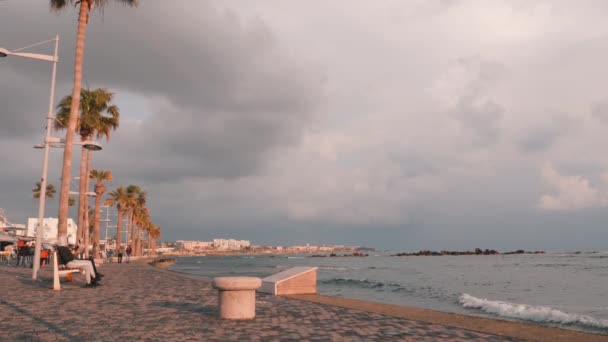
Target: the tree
(50, 190)
(100, 188)
(132, 195)
(120, 198)
(141, 220)
(153, 234)
(98, 116)
(83, 18)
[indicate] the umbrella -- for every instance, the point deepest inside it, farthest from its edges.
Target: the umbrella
(7, 238)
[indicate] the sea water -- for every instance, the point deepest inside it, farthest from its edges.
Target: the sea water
(566, 290)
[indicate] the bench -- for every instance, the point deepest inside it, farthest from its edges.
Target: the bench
(296, 280)
(60, 273)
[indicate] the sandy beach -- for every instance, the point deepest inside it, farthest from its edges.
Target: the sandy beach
(139, 302)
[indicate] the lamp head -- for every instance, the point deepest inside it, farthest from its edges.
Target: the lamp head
(91, 145)
(3, 52)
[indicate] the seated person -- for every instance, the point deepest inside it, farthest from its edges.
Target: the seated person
(66, 257)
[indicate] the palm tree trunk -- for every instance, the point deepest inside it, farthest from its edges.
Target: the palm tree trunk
(96, 221)
(138, 242)
(82, 193)
(62, 230)
(87, 223)
(129, 228)
(118, 229)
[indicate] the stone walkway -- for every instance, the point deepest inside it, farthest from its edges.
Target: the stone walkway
(138, 302)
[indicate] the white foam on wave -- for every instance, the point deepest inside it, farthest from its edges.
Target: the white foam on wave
(529, 312)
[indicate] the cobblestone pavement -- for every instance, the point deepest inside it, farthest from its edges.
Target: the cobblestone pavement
(138, 302)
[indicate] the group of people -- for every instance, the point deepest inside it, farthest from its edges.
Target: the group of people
(123, 251)
(24, 252)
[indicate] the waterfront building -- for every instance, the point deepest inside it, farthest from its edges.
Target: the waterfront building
(49, 231)
(230, 244)
(192, 245)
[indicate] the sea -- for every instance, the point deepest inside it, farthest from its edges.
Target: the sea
(566, 290)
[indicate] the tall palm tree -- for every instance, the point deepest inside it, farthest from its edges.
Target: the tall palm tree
(132, 195)
(83, 18)
(99, 176)
(97, 116)
(142, 220)
(119, 198)
(50, 190)
(153, 235)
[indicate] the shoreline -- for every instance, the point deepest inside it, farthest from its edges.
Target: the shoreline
(494, 326)
(526, 331)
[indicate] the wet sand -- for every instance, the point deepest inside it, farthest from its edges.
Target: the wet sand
(139, 302)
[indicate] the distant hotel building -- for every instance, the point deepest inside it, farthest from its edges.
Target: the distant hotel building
(217, 244)
(191, 245)
(230, 244)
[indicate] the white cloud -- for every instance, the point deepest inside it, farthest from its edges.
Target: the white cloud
(571, 192)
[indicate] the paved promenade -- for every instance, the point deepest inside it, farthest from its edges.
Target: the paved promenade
(138, 302)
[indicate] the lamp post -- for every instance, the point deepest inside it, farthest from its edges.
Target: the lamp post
(49, 120)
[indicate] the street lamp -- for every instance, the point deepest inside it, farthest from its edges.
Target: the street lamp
(47, 140)
(60, 143)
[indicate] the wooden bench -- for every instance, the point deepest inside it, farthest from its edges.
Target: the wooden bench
(60, 273)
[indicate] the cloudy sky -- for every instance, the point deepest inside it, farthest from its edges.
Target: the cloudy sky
(421, 124)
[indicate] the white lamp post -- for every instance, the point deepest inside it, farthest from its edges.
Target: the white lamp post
(49, 141)
(49, 120)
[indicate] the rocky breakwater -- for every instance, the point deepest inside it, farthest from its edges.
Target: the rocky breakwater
(334, 255)
(477, 251)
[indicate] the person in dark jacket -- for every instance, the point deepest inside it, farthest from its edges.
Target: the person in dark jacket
(129, 250)
(66, 257)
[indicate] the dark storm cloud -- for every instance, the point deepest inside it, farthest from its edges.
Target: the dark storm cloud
(481, 119)
(22, 108)
(479, 116)
(230, 94)
(223, 93)
(542, 137)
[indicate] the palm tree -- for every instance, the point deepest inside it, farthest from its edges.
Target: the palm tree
(142, 220)
(99, 176)
(132, 194)
(149, 229)
(50, 190)
(97, 116)
(83, 18)
(118, 197)
(153, 234)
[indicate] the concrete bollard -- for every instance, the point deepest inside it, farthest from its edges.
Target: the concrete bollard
(237, 296)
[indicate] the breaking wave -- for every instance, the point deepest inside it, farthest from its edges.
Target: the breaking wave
(540, 314)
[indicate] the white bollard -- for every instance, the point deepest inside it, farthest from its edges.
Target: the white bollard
(237, 296)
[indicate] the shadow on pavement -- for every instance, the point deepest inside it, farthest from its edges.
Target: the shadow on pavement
(188, 307)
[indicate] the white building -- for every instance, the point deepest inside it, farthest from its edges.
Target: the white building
(191, 245)
(49, 232)
(230, 244)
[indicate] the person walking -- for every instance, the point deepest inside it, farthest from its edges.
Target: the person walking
(129, 250)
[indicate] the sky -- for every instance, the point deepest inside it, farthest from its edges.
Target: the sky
(403, 125)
